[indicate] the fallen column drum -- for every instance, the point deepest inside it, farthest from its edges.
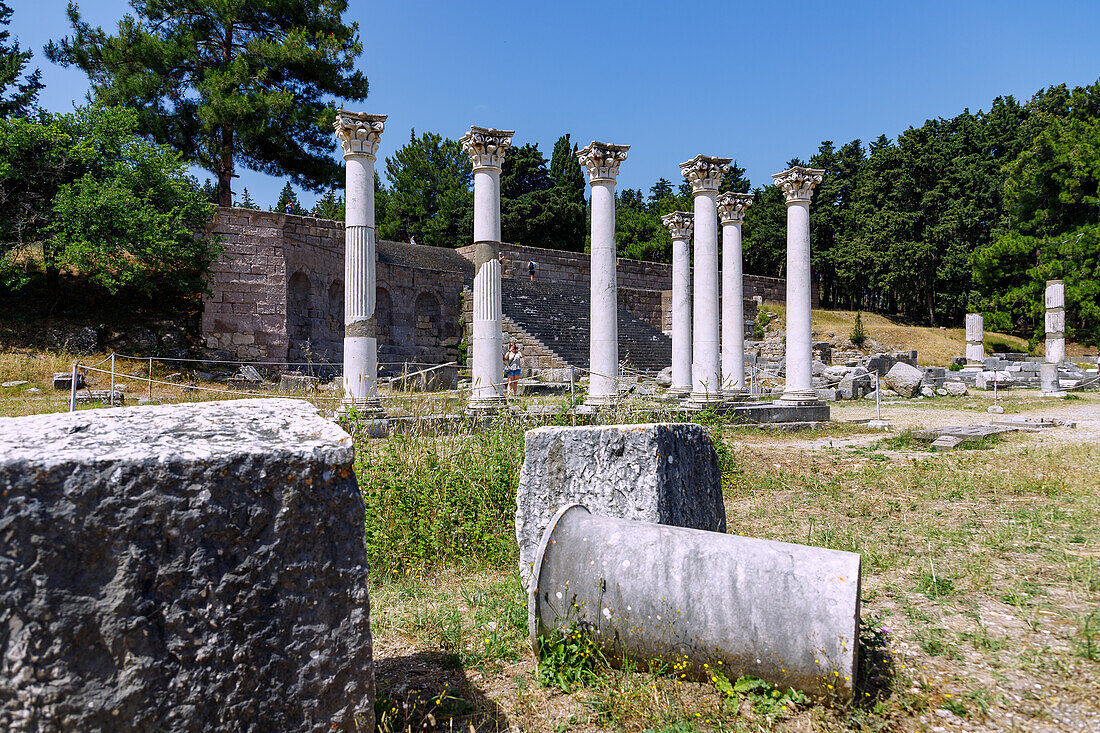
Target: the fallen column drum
(698, 602)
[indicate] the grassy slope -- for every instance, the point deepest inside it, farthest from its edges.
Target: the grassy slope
(935, 346)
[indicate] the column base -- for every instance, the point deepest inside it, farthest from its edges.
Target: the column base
(800, 397)
(482, 405)
(601, 400)
(682, 390)
(369, 408)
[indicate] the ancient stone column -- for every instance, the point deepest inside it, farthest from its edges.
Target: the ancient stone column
(975, 332)
(1055, 302)
(731, 210)
(705, 173)
(359, 135)
(602, 161)
(679, 225)
(486, 147)
(798, 184)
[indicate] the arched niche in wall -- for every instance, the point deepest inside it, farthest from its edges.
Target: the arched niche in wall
(383, 316)
(334, 312)
(298, 326)
(428, 313)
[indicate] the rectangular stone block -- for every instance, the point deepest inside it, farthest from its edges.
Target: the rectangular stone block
(1056, 322)
(1055, 295)
(195, 567)
(665, 473)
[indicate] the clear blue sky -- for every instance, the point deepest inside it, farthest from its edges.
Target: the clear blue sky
(761, 82)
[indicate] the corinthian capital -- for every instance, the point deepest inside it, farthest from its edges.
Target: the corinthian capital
(731, 206)
(680, 224)
(486, 146)
(602, 160)
(798, 183)
(705, 172)
(359, 133)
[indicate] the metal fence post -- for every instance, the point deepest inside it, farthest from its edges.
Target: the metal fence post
(111, 394)
(72, 389)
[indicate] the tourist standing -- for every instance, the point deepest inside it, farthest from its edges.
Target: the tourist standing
(513, 364)
(531, 268)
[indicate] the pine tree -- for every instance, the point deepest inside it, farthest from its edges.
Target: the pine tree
(246, 200)
(228, 82)
(287, 196)
(329, 206)
(20, 100)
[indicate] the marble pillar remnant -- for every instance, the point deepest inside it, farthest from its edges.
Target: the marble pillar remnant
(798, 184)
(680, 225)
(602, 161)
(731, 210)
(1055, 301)
(975, 334)
(359, 135)
(705, 172)
(486, 147)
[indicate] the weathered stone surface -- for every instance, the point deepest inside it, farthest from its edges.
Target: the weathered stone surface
(64, 380)
(986, 380)
(194, 567)
(955, 389)
(664, 377)
(904, 379)
(927, 392)
(666, 473)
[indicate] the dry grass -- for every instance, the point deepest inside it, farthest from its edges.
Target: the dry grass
(981, 598)
(935, 346)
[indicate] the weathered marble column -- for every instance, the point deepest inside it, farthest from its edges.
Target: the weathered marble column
(798, 184)
(680, 225)
(731, 210)
(486, 147)
(1055, 301)
(975, 333)
(705, 173)
(359, 136)
(602, 161)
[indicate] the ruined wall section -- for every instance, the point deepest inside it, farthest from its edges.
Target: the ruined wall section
(244, 313)
(277, 296)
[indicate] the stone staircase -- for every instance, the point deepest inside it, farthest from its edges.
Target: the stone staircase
(551, 320)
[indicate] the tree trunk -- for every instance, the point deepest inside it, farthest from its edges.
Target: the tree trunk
(53, 288)
(225, 164)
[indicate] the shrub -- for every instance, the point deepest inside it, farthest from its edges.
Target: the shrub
(858, 335)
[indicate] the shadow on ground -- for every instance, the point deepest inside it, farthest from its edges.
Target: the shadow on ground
(428, 691)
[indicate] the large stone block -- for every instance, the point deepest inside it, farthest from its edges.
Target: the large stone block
(665, 473)
(194, 567)
(904, 379)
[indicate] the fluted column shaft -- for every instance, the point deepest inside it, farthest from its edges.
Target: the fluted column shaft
(488, 367)
(1054, 299)
(975, 332)
(486, 147)
(797, 185)
(602, 162)
(359, 136)
(681, 315)
(733, 309)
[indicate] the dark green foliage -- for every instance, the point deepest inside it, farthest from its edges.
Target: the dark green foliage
(764, 237)
(429, 195)
(287, 196)
(100, 200)
(228, 82)
(18, 90)
(858, 335)
(246, 201)
(540, 206)
(1050, 229)
(329, 206)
